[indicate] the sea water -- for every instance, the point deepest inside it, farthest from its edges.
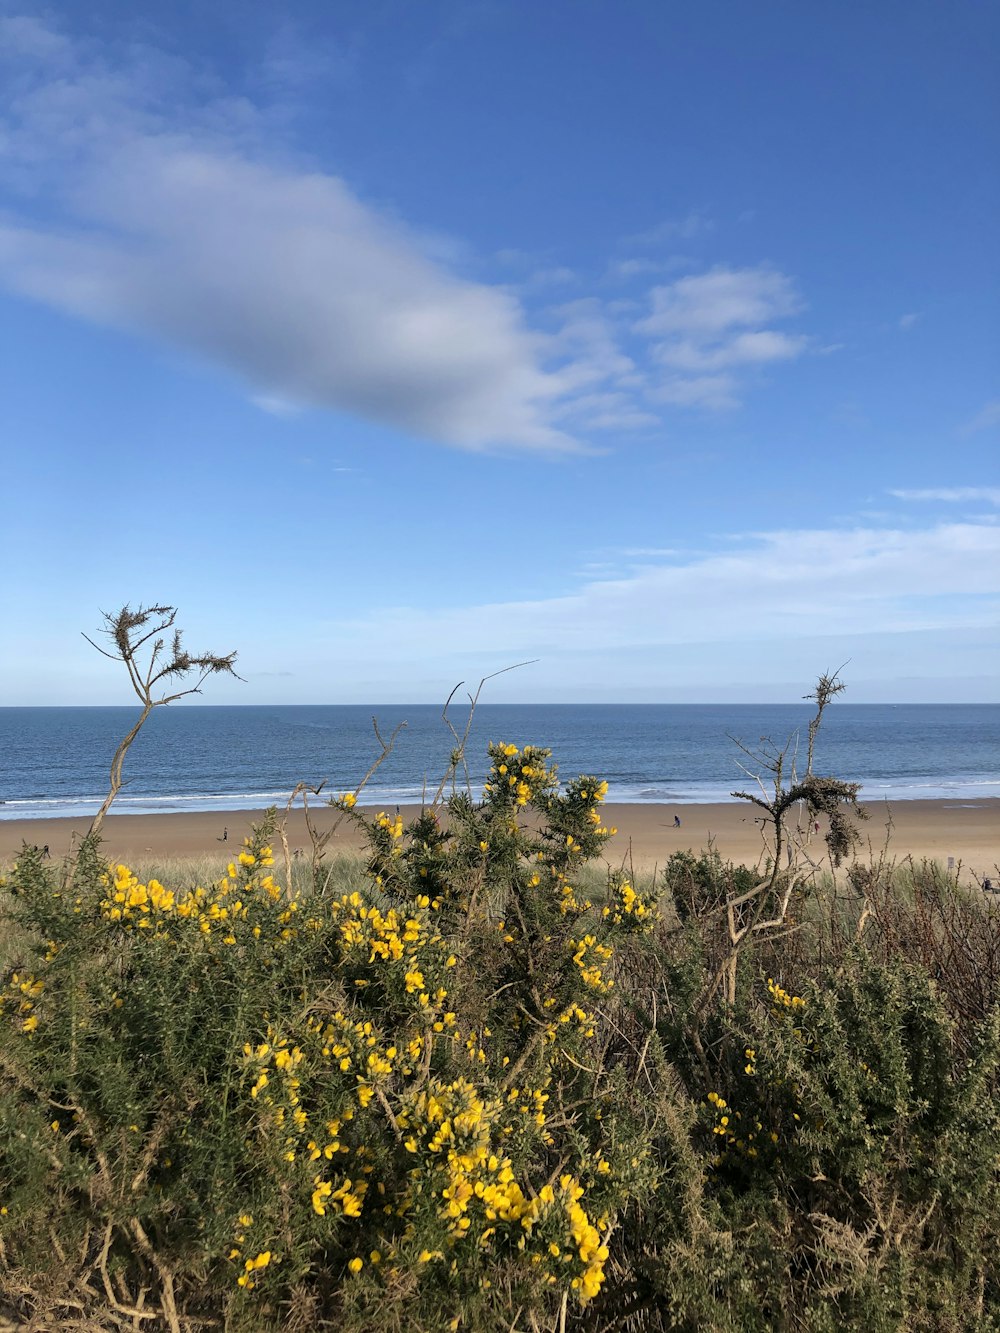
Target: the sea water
(55, 761)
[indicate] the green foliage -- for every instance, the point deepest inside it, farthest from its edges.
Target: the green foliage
(465, 1091)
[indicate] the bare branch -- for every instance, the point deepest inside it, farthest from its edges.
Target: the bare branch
(130, 631)
(458, 754)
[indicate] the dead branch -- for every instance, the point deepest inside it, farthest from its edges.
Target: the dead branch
(131, 632)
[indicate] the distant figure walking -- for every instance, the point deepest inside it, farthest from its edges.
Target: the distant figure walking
(45, 850)
(677, 821)
(987, 884)
(225, 835)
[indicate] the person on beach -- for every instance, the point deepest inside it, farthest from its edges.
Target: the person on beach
(225, 834)
(677, 821)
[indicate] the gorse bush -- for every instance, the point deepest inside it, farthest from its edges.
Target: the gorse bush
(473, 1084)
(376, 1104)
(465, 1095)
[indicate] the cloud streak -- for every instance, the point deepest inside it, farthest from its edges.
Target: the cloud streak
(953, 494)
(774, 585)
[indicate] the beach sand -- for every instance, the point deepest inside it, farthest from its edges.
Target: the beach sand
(968, 832)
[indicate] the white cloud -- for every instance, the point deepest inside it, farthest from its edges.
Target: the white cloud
(710, 304)
(280, 274)
(144, 197)
(744, 349)
(705, 326)
(29, 37)
(769, 585)
(611, 411)
(587, 338)
(291, 282)
(906, 322)
(986, 494)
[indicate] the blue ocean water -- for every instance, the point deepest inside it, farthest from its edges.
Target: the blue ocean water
(54, 761)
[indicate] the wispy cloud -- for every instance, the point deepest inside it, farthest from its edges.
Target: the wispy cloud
(789, 583)
(668, 231)
(985, 419)
(707, 327)
(557, 276)
(587, 336)
(953, 494)
(906, 322)
(630, 270)
(711, 304)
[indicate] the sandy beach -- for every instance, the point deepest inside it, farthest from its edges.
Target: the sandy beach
(968, 832)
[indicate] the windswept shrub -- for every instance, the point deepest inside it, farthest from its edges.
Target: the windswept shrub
(464, 1092)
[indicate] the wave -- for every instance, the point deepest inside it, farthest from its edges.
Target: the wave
(673, 792)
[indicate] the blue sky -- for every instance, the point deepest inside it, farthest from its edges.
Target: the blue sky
(395, 343)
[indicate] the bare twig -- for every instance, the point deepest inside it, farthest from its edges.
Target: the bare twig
(130, 632)
(458, 754)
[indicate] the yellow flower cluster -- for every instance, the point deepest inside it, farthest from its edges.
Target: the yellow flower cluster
(590, 957)
(729, 1126)
(355, 1045)
(530, 1103)
(567, 899)
(394, 827)
(781, 997)
(628, 908)
(572, 1013)
(518, 776)
(131, 898)
(25, 990)
(150, 906)
(591, 793)
(560, 1210)
(722, 1108)
(251, 1265)
(302, 1139)
(348, 1198)
(417, 955)
(449, 1127)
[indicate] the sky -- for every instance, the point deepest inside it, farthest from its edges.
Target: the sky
(655, 345)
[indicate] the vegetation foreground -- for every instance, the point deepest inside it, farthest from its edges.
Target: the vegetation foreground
(471, 1092)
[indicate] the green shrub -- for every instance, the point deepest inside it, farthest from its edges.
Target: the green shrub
(466, 1092)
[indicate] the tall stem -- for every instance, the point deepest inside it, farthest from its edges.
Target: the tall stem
(117, 764)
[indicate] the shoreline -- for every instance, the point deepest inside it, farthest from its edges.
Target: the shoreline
(966, 831)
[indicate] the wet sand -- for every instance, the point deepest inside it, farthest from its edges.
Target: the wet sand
(968, 832)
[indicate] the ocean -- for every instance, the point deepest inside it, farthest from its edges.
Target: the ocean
(54, 761)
